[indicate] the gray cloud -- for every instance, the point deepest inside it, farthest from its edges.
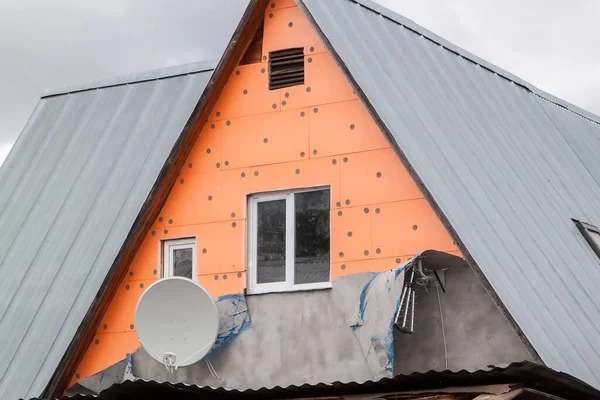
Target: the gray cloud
(52, 44)
(49, 44)
(549, 43)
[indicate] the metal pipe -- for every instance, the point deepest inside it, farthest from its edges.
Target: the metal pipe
(409, 289)
(404, 290)
(406, 308)
(412, 319)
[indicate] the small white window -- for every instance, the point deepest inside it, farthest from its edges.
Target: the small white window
(289, 242)
(179, 258)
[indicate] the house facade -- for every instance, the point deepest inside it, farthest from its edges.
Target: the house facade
(306, 154)
(361, 199)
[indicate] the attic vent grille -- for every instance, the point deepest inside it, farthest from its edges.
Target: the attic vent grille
(286, 68)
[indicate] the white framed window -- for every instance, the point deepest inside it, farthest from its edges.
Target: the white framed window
(289, 241)
(179, 258)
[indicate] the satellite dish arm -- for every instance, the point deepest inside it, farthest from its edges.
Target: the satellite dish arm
(200, 350)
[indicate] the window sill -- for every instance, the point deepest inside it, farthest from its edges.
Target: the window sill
(295, 288)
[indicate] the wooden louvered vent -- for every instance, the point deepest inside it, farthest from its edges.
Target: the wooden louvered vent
(286, 68)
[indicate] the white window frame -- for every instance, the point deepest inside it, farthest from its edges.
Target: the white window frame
(177, 244)
(290, 241)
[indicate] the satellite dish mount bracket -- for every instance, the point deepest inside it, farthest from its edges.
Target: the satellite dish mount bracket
(169, 361)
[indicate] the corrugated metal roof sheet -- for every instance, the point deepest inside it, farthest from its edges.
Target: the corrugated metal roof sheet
(71, 190)
(507, 164)
(139, 77)
(525, 373)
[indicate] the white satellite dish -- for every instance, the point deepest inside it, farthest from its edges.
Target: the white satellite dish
(176, 322)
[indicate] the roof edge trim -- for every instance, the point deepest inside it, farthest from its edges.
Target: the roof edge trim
(161, 73)
(411, 25)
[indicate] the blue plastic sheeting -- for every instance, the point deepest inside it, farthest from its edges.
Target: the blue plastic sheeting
(373, 324)
(234, 318)
(363, 295)
(363, 301)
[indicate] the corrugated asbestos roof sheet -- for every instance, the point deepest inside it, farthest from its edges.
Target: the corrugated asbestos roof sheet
(507, 164)
(530, 375)
(70, 191)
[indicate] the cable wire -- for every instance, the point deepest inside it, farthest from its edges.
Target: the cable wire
(437, 288)
(212, 370)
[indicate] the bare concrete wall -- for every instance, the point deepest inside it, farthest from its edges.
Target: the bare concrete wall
(295, 338)
(303, 337)
(477, 334)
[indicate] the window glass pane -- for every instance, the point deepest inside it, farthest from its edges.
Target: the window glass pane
(270, 249)
(312, 237)
(182, 262)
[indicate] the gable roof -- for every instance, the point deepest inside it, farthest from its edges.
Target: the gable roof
(71, 191)
(505, 164)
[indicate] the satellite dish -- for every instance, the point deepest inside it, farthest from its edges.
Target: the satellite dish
(176, 322)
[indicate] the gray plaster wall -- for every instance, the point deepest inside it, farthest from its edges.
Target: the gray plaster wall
(306, 337)
(477, 333)
(295, 338)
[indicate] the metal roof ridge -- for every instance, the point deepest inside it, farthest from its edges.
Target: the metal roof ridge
(149, 75)
(413, 26)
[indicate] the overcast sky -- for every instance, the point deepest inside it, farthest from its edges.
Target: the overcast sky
(48, 44)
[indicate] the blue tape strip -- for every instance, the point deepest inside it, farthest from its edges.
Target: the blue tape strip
(239, 321)
(363, 297)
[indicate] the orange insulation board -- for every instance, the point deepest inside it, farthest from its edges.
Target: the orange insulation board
(259, 140)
